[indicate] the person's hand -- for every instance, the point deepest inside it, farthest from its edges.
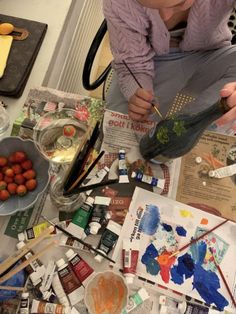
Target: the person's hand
(140, 107)
(229, 92)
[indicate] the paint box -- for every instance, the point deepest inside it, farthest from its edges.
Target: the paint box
(99, 299)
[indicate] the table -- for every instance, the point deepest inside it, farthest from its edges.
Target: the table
(54, 13)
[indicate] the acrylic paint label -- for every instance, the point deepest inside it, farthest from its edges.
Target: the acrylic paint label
(35, 231)
(24, 306)
(81, 268)
(68, 280)
(130, 258)
(108, 240)
(34, 264)
(50, 308)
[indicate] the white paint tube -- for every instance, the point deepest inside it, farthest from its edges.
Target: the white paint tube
(99, 176)
(59, 291)
(223, 172)
(135, 300)
(24, 303)
(48, 276)
(123, 171)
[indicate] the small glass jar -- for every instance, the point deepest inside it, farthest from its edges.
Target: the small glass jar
(4, 120)
(61, 202)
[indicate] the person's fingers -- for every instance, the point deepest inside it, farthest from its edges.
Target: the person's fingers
(144, 94)
(228, 89)
(135, 116)
(227, 117)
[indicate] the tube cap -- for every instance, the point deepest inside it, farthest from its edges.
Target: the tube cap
(21, 236)
(129, 278)
(25, 295)
(94, 227)
(90, 200)
(98, 258)
(143, 294)
(60, 262)
(20, 245)
(70, 253)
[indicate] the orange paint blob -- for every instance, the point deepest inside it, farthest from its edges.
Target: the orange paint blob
(204, 221)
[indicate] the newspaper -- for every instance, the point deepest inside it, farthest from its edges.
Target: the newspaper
(196, 188)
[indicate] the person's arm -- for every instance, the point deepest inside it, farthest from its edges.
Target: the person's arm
(128, 34)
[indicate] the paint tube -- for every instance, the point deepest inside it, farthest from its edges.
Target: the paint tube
(171, 306)
(108, 239)
(24, 303)
(70, 282)
(130, 255)
(35, 265)
(33, 232)
(39, 307)
(135, 300)
(141, 177)
(71, 242)
(123, 171)
(59, 291)
(80, 218)
(223, 172)
(82, 270)
(99, 176)
(99, 213)
(36, 279)
(48, 276)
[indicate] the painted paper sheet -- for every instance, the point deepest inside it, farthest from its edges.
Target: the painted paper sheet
(161, 226)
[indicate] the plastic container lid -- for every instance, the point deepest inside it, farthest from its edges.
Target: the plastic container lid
(94, 227)
(21, 236)
(70, 253)
(25, 295)
(60, 262)
(98, 258)
(89, 200)
(20, 245)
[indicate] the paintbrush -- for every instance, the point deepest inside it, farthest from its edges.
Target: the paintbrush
(82, 158)
(198, 238)
(27, 262)
(89, 246)
(93, 186)
(223, 277)
(10, 262)
(84, 175)
(136, 80)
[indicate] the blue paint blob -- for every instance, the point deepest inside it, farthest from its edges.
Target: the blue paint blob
(207, 283)
(198, 252)
(150, 220)
(181, 231)
(149, 260)
(185, 268)
(167, 227)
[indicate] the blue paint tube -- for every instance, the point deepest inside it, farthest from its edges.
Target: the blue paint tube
(135, 300)
(123, 171)
(141, 177)
(108, 239)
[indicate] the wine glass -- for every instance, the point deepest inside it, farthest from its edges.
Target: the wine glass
(58, 135)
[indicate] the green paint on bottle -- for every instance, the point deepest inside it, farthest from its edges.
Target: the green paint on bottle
(179, 127)
(162, 135)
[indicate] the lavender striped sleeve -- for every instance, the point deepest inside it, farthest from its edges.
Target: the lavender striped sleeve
(128, 33)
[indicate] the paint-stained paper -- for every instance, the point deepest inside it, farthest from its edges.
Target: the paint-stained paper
(158, 224)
